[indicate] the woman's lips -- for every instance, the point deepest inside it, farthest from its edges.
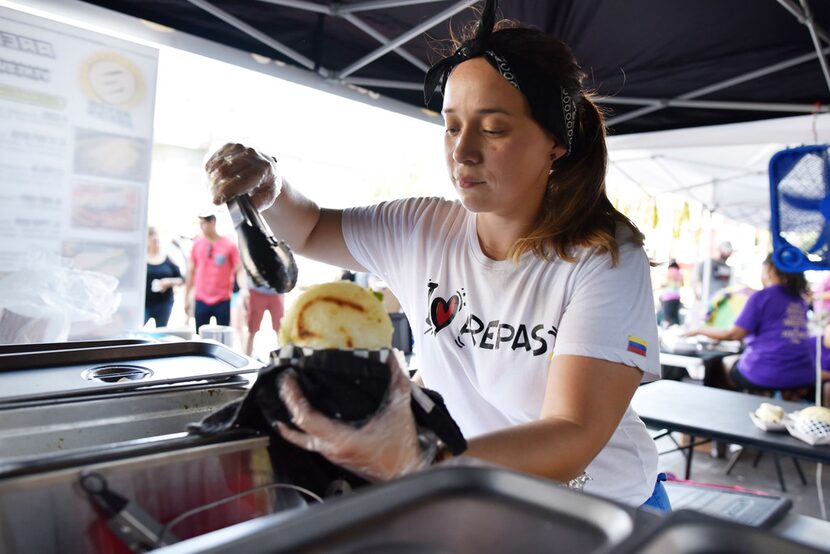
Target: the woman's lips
(468, 183)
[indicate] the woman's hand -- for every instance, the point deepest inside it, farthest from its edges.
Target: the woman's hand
(234, 170)
(384, 448)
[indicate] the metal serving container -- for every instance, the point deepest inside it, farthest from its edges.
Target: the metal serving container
(51, 374)
(461, 510)
(443, 510)
(60, 427)
(137, 495)
(687, 532)
(74, 395)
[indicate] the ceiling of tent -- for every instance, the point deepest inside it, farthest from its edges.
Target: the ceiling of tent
(723, 167)
(655, 64)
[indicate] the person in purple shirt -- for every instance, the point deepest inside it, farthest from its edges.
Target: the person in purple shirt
(773, 326)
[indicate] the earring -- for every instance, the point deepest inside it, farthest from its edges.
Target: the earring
(552, 160)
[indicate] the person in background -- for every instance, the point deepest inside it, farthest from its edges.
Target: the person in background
(773, 326)
(239, 314)
(825, 366)
(260, 300)
(720, 274)
(214, 261)
(162, 276)
(530, 294)
(821, 298)
(670, 296)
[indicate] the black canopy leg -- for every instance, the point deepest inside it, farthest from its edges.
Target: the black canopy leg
(689, 457)
(757, 458)
(734, 459)
(800, 472)
(779, 472)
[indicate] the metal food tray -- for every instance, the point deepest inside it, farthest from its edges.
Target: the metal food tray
(67, 345)
(27, 376)
(191, 484)
(11, 471)
(688, 532)
(443, 510)
(63, 425)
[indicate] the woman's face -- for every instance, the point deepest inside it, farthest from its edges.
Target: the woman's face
(497, 155)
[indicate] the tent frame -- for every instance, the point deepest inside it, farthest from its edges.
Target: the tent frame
(649, 105)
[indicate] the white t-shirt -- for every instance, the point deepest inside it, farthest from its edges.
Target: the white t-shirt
(486, 330)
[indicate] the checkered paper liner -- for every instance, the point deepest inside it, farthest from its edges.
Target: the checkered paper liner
(428, 408)
(812, 431)
(291, 354)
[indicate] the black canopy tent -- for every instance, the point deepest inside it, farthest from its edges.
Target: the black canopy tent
(655, 64)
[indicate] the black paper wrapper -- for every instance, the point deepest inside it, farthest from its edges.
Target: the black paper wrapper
(347, 385)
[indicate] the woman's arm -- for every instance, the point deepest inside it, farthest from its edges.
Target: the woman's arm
(169, 282)
(311, 231)
(584, 402)
(735, 333)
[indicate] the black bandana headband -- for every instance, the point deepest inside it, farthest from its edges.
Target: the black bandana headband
(558, 117)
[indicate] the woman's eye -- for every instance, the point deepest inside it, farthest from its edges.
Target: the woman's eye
(493, 132)
(452, 131)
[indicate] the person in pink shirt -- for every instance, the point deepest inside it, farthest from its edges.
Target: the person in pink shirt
(214, 260)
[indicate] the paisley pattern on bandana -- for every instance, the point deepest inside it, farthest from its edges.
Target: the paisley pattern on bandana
(569, 111)
(504, 68)
(563, 124)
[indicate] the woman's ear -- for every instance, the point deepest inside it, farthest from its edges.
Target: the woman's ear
(557, 151)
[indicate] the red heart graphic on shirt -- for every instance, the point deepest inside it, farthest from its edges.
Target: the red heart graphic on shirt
(443, 311)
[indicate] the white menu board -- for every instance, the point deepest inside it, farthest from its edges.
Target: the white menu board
(76, 128)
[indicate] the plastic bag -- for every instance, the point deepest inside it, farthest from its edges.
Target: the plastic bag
(40, 301)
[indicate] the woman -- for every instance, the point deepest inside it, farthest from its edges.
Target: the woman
(773, 326)
(162, 276)
(670, 297)
(530, 295)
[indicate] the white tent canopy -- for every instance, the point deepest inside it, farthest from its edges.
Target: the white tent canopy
(723, 167)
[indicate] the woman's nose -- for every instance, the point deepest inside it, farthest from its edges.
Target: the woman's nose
(466, 149)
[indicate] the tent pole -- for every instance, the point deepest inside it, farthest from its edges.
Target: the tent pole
(379, 4)
(712, 104)
(406, 37)
(814, 35)
(791, 7)
(383, 39)
(383, 83)
(706, 281)
(786, 64)
(301, 5)
(253, 33)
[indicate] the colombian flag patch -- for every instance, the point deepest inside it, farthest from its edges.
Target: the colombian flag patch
(637, 345)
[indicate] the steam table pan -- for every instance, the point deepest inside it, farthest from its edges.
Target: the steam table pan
(50, 374)
(688, 532)
(444, 510)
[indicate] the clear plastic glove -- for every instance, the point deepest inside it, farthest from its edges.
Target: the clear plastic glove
(235, 169)
(385, 447)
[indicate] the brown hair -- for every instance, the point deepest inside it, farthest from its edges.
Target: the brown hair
(576, 211)
(795, 283)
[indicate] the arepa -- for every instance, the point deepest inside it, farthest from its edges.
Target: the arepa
(340, 314)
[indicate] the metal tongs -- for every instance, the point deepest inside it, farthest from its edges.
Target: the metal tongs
(268, 261)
